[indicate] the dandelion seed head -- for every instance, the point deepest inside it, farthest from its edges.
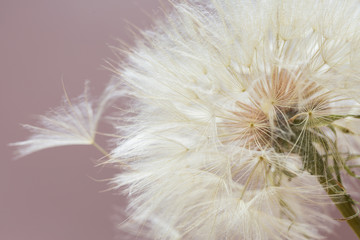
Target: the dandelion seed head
(240, 107)
(229, 105)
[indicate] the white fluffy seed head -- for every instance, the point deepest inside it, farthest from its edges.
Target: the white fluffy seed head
(231, 101)
(218, 88)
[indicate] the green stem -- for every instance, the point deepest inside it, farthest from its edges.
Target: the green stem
(317, 165)
(342, 201)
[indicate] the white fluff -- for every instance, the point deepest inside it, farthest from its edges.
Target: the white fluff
(73, 123)
(213, 91)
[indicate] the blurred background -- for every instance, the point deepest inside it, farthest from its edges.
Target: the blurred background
(58, 194)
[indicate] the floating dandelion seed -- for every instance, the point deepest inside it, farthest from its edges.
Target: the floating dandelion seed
(242, 112)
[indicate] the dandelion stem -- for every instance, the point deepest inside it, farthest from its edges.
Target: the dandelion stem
(344, 203)
(317, 165)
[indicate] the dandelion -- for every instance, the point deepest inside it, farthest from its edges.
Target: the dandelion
(245, 119)
(73, 123)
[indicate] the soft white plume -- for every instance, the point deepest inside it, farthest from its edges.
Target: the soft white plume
(238, 110)
(215, 89)
(73, 123)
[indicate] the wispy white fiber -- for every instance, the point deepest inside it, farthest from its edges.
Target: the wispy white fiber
(73, 123)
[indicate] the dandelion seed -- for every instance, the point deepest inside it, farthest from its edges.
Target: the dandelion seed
(74, 123)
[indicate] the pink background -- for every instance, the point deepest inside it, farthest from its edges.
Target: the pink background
(54, 194)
